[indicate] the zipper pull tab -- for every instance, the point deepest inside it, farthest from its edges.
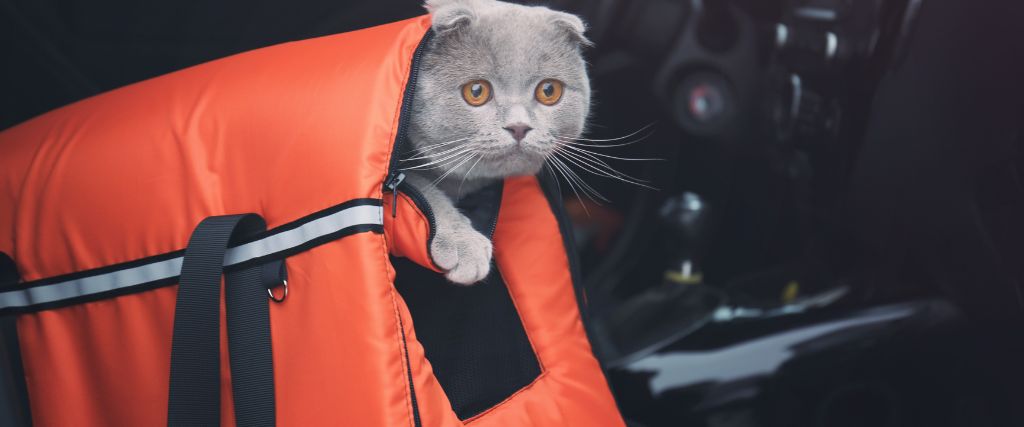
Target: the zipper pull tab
(392, 185)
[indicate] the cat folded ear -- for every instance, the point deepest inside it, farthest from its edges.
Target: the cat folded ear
(573, 27)
(448, 15)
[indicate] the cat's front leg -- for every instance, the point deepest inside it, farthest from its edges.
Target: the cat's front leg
(457, 248)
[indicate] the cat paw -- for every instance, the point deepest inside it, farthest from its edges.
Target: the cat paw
(463, 253)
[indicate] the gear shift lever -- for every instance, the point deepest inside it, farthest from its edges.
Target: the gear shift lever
(688, 220)
(678, 306)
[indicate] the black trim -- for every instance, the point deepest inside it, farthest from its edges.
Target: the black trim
(90, 298)
(327, 238)
(178, 253)
(417, 422)
(96, 271)
(173, 280)
(366, 201)
(142, 287)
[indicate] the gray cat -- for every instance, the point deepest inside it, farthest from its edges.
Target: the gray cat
(500, 85)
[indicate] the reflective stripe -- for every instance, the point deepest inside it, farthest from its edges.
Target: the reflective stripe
(91, 285)
(358, 215)
(169, 268)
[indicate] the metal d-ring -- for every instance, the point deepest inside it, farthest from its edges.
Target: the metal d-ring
(270, 292)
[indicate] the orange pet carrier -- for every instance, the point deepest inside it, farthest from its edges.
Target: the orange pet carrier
(271, 169)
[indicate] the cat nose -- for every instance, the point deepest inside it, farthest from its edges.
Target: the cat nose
(518, 130)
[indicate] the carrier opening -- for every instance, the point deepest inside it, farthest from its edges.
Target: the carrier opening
(472, 335)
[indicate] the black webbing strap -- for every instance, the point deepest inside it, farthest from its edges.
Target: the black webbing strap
(14, 409)
(8, 271)
(249, 348)
(194, 398)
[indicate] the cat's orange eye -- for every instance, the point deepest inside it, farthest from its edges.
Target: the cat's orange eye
(476, 92)
(549, 91)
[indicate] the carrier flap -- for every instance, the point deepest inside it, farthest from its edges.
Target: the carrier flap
(410, 236)
(469, 365)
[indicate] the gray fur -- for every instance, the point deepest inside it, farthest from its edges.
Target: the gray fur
(513, 47)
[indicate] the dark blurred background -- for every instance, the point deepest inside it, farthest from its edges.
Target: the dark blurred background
(837, 234)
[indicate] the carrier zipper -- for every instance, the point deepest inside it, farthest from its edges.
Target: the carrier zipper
(494, 221)
(406, 108)
(392, 183)
(419, 201)
(395, 178)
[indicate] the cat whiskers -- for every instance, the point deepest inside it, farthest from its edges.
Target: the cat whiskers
(445, 160)
(553, 165)
(466, 175)
(570, 151)
(427, 148)
(465, 159)
(427, 154)
(587, 190)
(576, 147)
(587, 161)
(575, 140)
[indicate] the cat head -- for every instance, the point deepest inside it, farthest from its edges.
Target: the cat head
(499, 85)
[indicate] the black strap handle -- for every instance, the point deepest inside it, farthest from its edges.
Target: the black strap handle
(249, 347)
(194, 398)
(8, 271)
(14, 408)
